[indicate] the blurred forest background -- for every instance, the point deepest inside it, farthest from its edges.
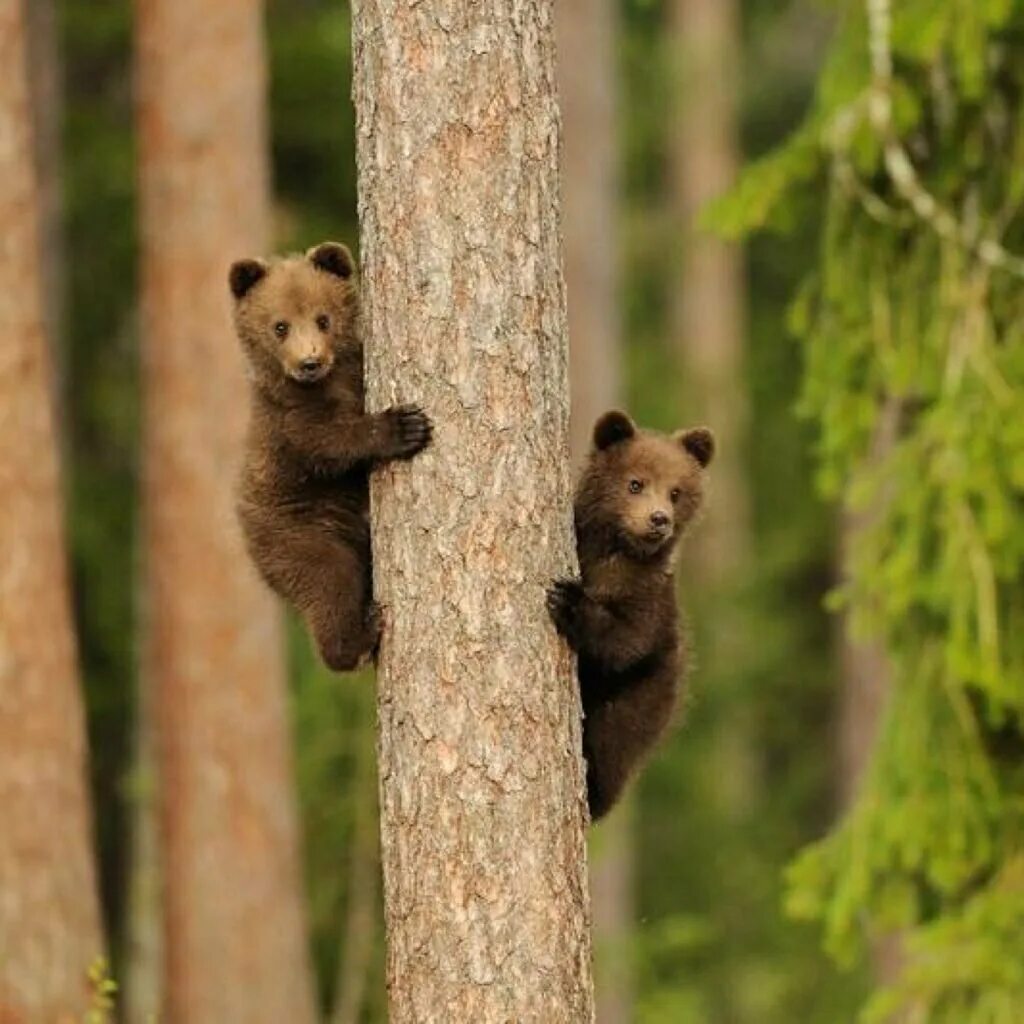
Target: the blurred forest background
(861, 362)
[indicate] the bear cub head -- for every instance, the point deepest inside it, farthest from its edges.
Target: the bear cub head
(296, 315)
(641, 488)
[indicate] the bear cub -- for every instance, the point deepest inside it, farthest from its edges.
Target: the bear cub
(638, 492)
(304, 495)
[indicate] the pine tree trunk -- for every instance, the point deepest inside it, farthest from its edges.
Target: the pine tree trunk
(235, 943)
(49, 908)
(362, 926)
(710, 330)
(483, 849)
(587, 86)
(45, 87)
(865, 682)
(711, 304)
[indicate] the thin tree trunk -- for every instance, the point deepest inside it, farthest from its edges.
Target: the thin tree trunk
(587, 77)
(710, 329)
(144, 961)
(711, 308)
(865, 680)
(486, 903)
(45, 84)
(361, 918)
(49, 907)
(235, 944)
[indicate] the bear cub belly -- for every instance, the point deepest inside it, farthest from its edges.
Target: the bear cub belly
(638, 492)
(304, 497)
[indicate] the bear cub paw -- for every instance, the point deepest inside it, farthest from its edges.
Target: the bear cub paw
(563, 600)
(411, 430)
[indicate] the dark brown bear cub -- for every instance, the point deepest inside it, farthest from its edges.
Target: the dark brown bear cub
(304, 494)
(638, 492)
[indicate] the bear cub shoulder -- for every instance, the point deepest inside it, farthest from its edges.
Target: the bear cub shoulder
(638, 493)
(303, 501)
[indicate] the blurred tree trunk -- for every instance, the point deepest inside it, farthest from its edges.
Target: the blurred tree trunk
(235, 943)
(49, 908)
(45, 84)
(144, 930)
(710, 312)
(587, 76)
(865, 681)
(361, 919)
(486, 903)
(710, 328)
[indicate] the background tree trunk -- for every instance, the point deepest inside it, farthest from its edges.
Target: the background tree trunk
(362, 913)
(45, 86)
(587, 76)
(710, 310)
(865, 680)
(710, 330)
(235, 946)
(486, 903)
(49, 909)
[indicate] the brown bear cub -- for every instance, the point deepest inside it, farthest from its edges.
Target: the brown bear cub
(638, 492)
(304, 495)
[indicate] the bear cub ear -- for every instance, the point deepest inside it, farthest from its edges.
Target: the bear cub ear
(332, 257)
(244, 274)
(612, 428)
(699, 442)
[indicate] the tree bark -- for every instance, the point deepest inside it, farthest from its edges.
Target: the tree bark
(49, 907)
(486, 904)
(587, 77)
(235, 944)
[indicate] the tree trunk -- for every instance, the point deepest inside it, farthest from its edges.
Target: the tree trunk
(865, 682)
(710, 330)
(235, 944)
(486, 904)
(49, 908)
(710, 312)
(361, 930)
(45, 87)
(587, 77)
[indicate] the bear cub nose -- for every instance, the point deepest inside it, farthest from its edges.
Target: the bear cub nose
(659, 520)
(310, 365)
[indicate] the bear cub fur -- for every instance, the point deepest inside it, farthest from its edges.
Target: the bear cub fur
(304, 496)
(638, 492)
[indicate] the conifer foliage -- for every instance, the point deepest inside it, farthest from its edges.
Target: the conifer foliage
(912, 155)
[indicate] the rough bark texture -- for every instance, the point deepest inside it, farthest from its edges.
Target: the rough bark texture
(235, 948)
(49, 909)
(482, 783)
(587, 74)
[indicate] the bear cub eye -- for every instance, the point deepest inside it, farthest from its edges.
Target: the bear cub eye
(281, 329)
(635, 486)
(323, 321)
(675, 493)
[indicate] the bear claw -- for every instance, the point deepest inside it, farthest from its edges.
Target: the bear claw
(563, 599)
(413, 429)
